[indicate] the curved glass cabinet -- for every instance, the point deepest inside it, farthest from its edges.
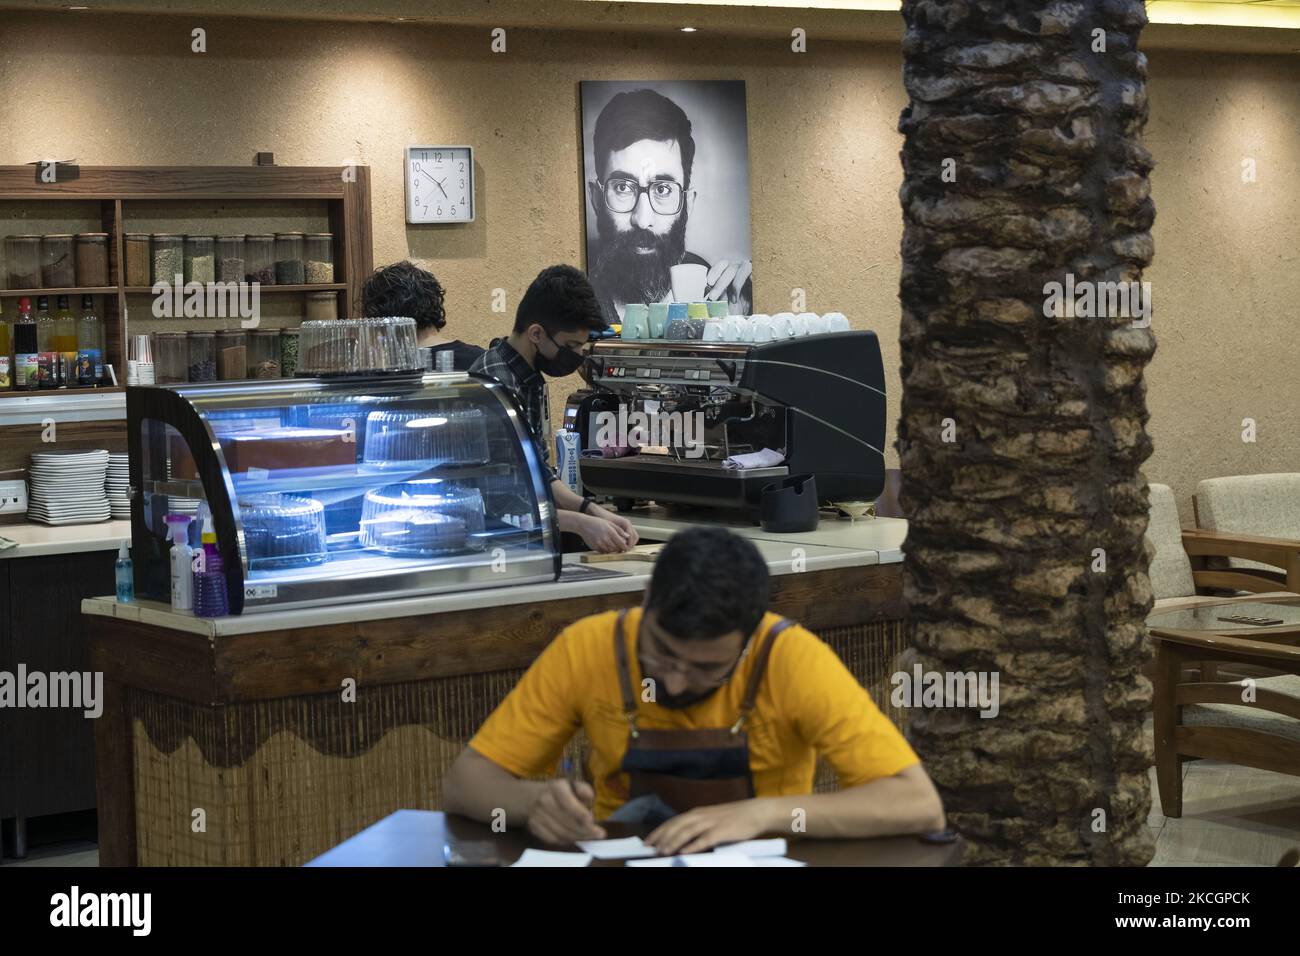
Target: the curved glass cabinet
(325, 491)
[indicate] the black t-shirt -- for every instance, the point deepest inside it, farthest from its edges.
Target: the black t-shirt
(464, 353)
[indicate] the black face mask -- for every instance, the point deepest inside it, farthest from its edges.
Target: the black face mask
(565, 362)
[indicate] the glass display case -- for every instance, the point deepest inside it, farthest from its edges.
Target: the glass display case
(325, 491)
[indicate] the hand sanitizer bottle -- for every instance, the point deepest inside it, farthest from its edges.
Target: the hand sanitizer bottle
(125, 575)
(178, 530)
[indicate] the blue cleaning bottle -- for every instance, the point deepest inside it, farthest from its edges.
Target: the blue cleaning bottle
(125, 574)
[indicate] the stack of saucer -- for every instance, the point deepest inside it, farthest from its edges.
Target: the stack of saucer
(116, 484)
(67, 487)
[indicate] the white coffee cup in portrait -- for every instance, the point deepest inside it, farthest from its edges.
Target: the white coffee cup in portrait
(688, 281)
(761, 328)
(837, 321)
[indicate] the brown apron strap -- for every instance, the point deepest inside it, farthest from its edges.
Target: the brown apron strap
(624, 676)
(760, 666)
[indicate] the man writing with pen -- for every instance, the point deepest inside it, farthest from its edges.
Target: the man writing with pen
(705, 714)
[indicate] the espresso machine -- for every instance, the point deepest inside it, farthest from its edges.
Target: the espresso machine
(819, 400)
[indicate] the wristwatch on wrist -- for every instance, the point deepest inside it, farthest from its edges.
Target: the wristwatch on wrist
(586, 503)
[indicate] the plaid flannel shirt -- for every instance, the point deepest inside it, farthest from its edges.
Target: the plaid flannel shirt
(528, 386)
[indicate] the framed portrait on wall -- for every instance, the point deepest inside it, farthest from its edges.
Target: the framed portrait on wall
(666, 192)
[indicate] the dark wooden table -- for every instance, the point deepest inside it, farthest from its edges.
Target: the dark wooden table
(416, 838)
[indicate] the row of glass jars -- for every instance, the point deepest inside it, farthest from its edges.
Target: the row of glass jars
(283, 258)
(62, 261)
(224, 356)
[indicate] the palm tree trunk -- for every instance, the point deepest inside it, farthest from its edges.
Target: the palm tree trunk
(1022, 434)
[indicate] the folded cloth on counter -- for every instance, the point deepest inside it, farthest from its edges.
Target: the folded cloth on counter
(766, 458)
(622, 451)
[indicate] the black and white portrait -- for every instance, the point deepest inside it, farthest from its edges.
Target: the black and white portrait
(666, 170)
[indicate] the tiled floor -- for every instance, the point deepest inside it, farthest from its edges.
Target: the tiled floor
(1232, 816)
(60, 854)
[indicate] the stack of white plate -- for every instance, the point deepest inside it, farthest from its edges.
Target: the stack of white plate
(67, 487)
(116, 484)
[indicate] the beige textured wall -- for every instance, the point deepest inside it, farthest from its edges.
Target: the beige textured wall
(1225, 280)
(823, 162)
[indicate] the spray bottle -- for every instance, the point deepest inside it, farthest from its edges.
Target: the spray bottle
(178, 529)
(125, 575)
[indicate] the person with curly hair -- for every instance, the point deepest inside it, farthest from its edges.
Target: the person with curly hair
(403, 288)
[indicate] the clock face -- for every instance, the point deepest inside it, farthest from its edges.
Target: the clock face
(439, 184)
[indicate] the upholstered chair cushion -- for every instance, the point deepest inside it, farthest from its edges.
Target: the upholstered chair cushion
(1171, 572)
(1249, 716)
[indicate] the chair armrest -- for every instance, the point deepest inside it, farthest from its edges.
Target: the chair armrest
(1281, 553)
(1239, 647)
(1201, 543)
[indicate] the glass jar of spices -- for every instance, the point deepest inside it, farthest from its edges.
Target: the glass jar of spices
(230, 258)
(137, 259)
(199, 262)
(232, 355)
(264, 353)
(171, 355)
(203, 357)
(288, 258)
(92, 259)
(288, 352)
(57, 269)
(319, 257)
(259, 259)
(168, 258)
(24, 262)
(322, 306)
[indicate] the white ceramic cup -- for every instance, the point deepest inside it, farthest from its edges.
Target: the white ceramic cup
(837, 321)
(761, 328)
(688, 281)
(731, 328)
(713, 331)
(783, 325)
(819, 325)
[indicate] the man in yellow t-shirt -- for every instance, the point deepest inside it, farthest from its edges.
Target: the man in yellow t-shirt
(704, 704)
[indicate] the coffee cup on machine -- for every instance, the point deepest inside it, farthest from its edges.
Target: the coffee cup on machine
(688, 281)
(636, 321)
(760, 327)
(657, 320)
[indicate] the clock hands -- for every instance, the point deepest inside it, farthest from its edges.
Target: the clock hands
(438, 183)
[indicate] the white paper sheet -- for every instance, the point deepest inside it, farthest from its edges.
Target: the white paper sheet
(776, 861)
(718, 858)
(773, 847)
(625, 849)
(552, 858)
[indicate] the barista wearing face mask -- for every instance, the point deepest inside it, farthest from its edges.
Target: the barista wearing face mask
(552, 324)
(705, 713)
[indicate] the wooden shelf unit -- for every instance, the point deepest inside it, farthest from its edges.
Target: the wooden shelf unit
(347, 199)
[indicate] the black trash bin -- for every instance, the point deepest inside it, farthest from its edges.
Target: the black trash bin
(789, 505)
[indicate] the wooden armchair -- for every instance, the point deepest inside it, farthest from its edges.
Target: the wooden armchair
(1180, 571)
(1263, 513)
(1199, 718)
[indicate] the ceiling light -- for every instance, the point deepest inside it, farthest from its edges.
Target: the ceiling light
(688, 29)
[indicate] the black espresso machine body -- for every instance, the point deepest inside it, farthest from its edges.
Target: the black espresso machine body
(820, 398)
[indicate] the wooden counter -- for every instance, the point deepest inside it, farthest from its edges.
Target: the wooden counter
(230, 742)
